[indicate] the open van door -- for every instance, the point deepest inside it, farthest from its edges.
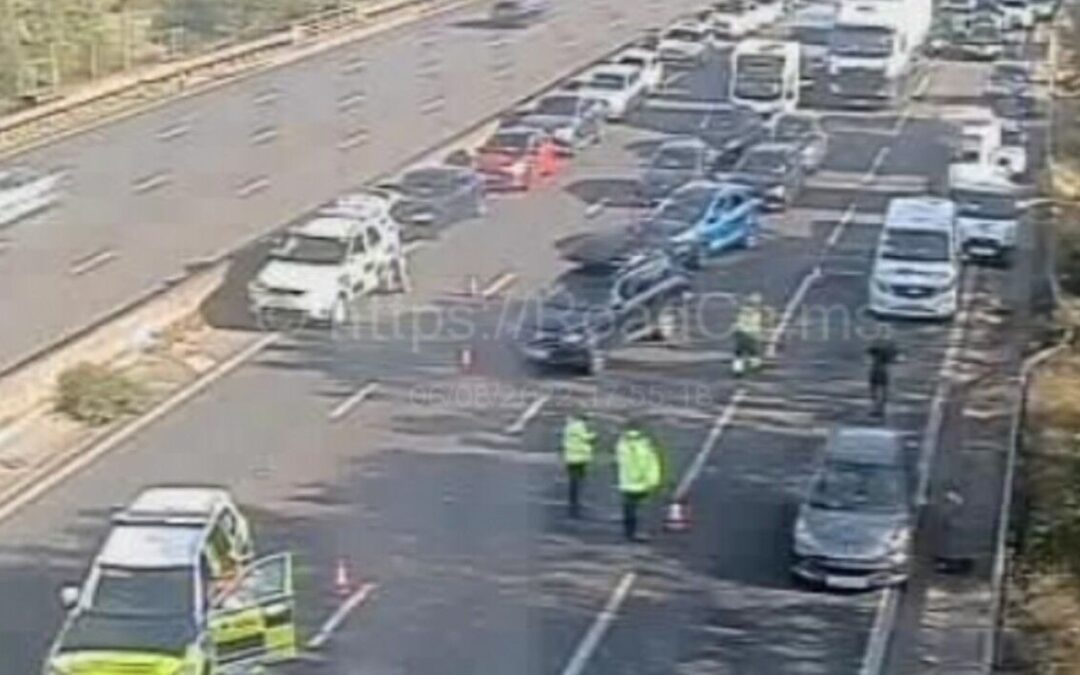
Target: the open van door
(253, 620)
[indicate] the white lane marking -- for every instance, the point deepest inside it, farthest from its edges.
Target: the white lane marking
(353, 139)
(151, 182)
(841, 226)
(267, 96)
(356, 98)
(358, 397)
(359, 597)
(413, 246)
(252, 186)
(878, 642)
(498, 284)
(22, 493)
(264, 135)
(701, 459)
(528, 414)
(773, 343)
(174, 131)
(875, 165)
(92, 262)
(600, 626)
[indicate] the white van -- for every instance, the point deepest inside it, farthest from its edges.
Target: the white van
(917, 266)
(987, 211)
(348, 249)
(24, 191)
(982, 139)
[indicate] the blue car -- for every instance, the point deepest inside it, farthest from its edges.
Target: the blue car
(704, 218)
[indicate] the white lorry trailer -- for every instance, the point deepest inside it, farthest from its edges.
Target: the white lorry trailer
(874, 50)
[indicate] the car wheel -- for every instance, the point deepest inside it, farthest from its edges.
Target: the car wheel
(698, 258)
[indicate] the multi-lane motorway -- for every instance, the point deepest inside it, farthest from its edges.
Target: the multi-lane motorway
(197, 177)
(440, 486)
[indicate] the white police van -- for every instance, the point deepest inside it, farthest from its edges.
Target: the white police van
(917, 265)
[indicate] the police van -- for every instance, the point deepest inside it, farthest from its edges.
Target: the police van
(917, 264)
(176, 588)
(346, 250)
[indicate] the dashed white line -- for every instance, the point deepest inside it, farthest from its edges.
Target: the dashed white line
(841, 226)
(878, 641)
(702, 458)
(359, 597)
(252, 186)
(793, 304)
(92, 262)
(358, 397)
(151, 182)
(498, 284)
(264, 135)
(528, 414)
(875, 165)
(353, 139)
(174, 131)
(600, 626)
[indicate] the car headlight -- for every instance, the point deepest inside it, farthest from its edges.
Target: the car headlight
(805, 542)
(518, 169)
(882, 286)
(257, 287)
(574, 338)
(564, 134)
(778, 191)
(899, 540)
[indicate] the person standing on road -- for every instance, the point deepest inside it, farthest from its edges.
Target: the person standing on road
(749, 335)
(883, 353)
(578, 443)
(640, 472)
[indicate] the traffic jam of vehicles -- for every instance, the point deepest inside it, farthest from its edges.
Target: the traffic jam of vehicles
(181, 585)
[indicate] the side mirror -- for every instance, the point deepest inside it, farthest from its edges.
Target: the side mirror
(69, 596)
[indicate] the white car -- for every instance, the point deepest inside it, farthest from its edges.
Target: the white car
(686, 42)
(766, 12)
(647, 62)
(347, 250)
(620, 88)
(24, 191)
(731, 23)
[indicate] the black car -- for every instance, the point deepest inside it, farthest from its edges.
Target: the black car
(675, 163)
(590, 313)
(731, 130)
(436, 196)
(805, 132)
(774, 171)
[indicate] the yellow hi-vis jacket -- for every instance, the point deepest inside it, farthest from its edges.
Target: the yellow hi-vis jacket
(577, 441)
(640, 469)
(751, 321)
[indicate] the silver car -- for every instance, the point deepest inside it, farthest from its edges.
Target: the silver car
(854, 530)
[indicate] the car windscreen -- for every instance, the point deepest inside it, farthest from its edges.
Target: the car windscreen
(300, 248)
(765, 162)
(427, 183)
(683, 35)
(607, 81)
(724, 119)
(558, 105)
(973, 204)
(870, 41)
(790, 128)
(864, 488)
(127, 592)
(916, 246)
(686, 205)
(579, 290)
(635, 61)
(511, 142)
(676, 158)
(1009, 74)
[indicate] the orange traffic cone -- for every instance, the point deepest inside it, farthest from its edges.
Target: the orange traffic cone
(342, 584)
(678, 517)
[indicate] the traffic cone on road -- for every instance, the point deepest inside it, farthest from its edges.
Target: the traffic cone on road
(342, 584)
(678, 516)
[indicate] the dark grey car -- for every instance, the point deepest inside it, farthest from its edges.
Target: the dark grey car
(775, 172)
(675, 163)
(436, 196)
(574, 121)
(854, 529)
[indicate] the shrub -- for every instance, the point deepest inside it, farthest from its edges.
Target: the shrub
(98, 395)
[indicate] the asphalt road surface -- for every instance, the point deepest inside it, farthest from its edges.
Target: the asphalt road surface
(443, 488)
(198, 177)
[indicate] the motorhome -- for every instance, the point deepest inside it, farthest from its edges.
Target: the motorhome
(874, 48)
(766, 75)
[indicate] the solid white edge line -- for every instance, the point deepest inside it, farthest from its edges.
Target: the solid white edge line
(773, 344)
(358, 397)
(358, 597)
(600, 626)
(95, 261)
(528, 414)
(878, 642)
(98, 448)
(701, 459)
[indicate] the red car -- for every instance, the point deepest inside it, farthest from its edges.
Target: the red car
(516, 158)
